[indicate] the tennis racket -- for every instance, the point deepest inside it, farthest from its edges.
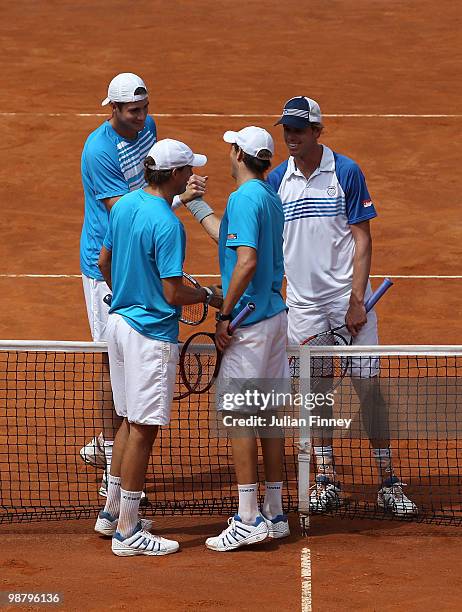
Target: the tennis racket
(336, 367)
(200, 358)
(192, 366)
(191, 314)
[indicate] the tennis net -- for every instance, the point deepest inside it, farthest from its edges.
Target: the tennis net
(54, 398)
(403, 398)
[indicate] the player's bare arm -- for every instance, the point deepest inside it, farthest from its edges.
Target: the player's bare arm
(192, 199)
(211, 225)
(356, 315)
(109, 202)
(242, 275)
(178, 294)
(211, 222)
(104, 264)
(206, 217)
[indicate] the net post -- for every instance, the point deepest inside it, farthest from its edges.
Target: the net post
(304, 442)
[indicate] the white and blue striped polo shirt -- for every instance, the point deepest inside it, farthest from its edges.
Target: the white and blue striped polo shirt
(318, 212)
(111, 166)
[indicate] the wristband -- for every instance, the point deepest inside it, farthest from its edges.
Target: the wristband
(209, 295)
(199, 209)
(176, 202)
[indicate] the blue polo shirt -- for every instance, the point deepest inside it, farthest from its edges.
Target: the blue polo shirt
(111, 166)
(254, 218)
(148, 244)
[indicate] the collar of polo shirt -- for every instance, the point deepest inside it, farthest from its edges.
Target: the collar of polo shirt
(327, 163)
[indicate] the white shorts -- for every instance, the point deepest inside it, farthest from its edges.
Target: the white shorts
(258, 354)
(143, 373)
(97, 310)
(310, 320)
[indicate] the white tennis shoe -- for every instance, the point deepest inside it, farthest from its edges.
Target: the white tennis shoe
(325, 495)
(106, 524)
(278, 527)
(238, 534)
(93, 452)
(142, 542)
(392, 498)
(103, 487)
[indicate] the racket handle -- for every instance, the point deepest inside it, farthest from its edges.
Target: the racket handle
(242, 316)
(375, 297)
(107, 299)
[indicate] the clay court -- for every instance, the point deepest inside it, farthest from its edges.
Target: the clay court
(387, 76)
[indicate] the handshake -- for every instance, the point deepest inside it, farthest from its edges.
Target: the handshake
(214, 296)
(192, 198)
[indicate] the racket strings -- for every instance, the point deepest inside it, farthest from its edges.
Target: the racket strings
(193, 314)
(199, 362)
(329, 366)
(192, 368)
(327, 371)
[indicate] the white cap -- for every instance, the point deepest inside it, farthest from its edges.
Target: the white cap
(122, 89)
(168, 154)
(251, 140)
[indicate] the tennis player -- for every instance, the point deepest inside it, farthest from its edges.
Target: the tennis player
(142, 262)
(251, 265)
(112, 165)
(327, 257)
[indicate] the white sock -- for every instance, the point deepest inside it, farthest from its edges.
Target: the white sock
(113, 496)
(248, 503)
(383, 458)
(272, 506)
(324, 460)
(128, 517)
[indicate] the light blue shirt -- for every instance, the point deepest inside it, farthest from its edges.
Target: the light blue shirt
(254, 218)
(148, 244)
(111, 166)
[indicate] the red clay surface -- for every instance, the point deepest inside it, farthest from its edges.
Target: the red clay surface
(242, 58)
(356, 565)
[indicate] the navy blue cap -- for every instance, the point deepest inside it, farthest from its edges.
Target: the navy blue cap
(299, 112)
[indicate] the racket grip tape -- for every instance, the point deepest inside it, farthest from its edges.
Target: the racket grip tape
(378, 293)
(242, 316)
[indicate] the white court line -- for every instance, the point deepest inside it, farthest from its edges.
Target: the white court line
(392, 276)
(244, 115)
(411, 276)
(40, 276)
(306, 580)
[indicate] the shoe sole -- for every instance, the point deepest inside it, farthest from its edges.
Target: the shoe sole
(126, 551)
(93, 463)
(105, 531)
(278, 534)
(93, 454)
(255, 539)
(330, 506)
(388, 508)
